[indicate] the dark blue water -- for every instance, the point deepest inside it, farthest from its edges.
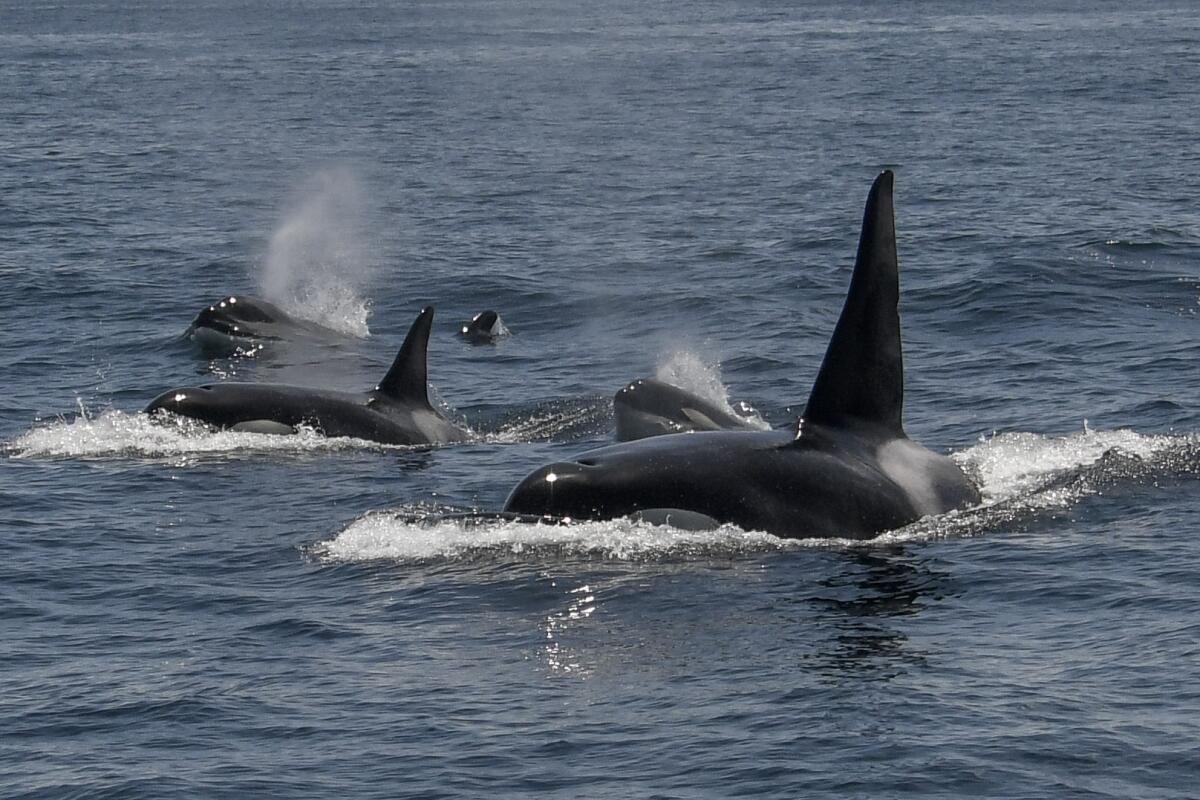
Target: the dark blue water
(639, 188)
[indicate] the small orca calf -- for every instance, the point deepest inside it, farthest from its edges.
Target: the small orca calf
(484, 327)
(397, 411)
(650, 407)
(846, 469)
(242, 320)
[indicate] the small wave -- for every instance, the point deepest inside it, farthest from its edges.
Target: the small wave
(119, 434)
(1128, 246)
(1153, 240)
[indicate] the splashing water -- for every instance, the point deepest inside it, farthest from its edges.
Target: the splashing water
(316, 265)
(1013, 464)
(687, 371)
(402, 535)
(1026, 475)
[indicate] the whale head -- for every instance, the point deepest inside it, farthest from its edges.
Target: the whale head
(238, 317)
(205, 403)
(691, 472)
(484, 327)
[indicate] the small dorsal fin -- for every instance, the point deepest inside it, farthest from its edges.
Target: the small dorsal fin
(408, 379)
(862, 376)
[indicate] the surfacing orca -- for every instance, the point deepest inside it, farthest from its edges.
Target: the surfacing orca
(650, 407)
(846, 469)
(242, 321)
(397, 411)
(484, 327)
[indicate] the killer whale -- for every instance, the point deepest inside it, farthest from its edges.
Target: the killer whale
(242, 321)
(846, 469)
(650, 407)
(397, 411)
(484, 327)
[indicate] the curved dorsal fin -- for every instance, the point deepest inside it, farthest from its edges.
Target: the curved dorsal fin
(408, 378)
(862, 376)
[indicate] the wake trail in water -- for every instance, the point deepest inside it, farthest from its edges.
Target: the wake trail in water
(553, 420)
(403, 536)
(117, 434)
(1025, 476)
(1022, 476)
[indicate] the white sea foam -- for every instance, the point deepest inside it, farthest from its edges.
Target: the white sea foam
(317, 265)
(1011, 464)
(114, 433)
(1024, 475)
(405, 537)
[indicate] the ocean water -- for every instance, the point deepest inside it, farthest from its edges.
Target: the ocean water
(639, 189)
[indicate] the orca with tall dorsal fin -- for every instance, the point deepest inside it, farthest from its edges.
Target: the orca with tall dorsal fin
(397, 411)
(846, 470)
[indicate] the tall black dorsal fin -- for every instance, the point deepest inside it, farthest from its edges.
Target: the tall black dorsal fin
(408, 379)
(862, 376)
